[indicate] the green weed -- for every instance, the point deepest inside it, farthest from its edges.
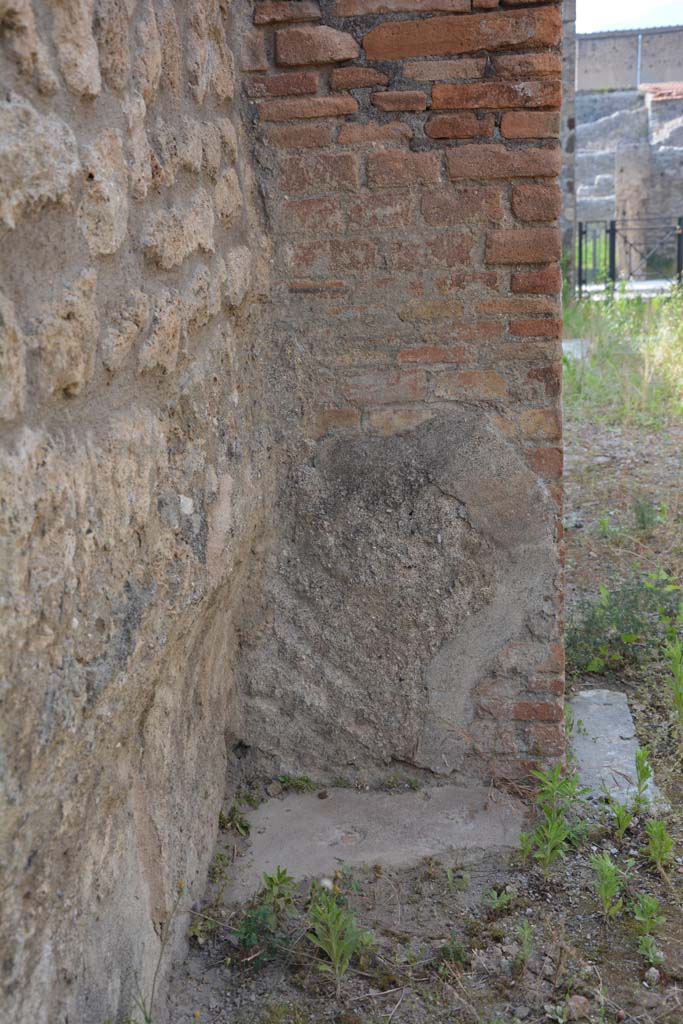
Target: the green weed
(605, 529)
(202, 928)
(647, 947)
(647, 913)
(559, 790)
(498, 900)
(457, 881)
(621, 626)
(607, 883)
(278, 891)
(234, 820)
(525, 937)
(218, 871)
(259, 928)
(623, 816)
(297, 783)
(526, 845)
(643, 777)
(550, 839)
(645, 514)
(673, 652)
(333, 929)
(660, 845)
(143, 1005)
(455, 952)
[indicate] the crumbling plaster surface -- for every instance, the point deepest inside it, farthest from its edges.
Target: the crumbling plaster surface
(464, 528)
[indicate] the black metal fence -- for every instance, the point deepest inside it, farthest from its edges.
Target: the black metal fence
(635, 249)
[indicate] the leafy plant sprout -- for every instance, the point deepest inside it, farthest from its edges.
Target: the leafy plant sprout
(623, 816)
(673, 653)
(607, 883)
(297, 783)
(660, 845)
(526, 845)
(643, 776)
(559, 790)
(645, 514)
(647, 913)
(550, 839)
(525, 937)
(278, 891)
(648, 949)
(333, 929)
(498, 901)
(234, 820)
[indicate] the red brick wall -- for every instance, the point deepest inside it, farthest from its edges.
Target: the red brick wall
(409, 156)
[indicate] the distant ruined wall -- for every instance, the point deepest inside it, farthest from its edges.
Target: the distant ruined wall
(281, 430)
(609, 60)
(628, 165)
(568, 131)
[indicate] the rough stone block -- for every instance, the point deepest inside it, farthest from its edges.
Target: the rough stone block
(160, 348)
(65, 337)
(72, 34)
(12, 368)
(228, 196)
(170, 236)
(38, 158)
(125, 330)
(103, 212)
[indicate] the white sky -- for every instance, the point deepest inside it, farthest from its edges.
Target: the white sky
(602, 15)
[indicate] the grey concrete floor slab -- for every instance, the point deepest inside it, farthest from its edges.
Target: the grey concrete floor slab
(311, 837)
(605, 743)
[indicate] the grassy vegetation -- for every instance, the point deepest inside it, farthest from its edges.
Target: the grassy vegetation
(626, 625)
(633, 374)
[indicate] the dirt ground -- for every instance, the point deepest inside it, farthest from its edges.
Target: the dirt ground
(441, 952)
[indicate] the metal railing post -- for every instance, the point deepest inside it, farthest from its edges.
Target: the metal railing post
(679, 251)
(612, 231)
(579, 269)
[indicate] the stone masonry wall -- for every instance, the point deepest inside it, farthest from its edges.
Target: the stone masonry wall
(134, 480)
(281, 431)
(409, 168)
(609, 60)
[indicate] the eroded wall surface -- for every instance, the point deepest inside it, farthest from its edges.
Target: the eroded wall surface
(409, 168)
(135, 475)
(282, 431)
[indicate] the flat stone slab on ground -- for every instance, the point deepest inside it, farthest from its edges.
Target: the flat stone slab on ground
(605, 743)
(310, 837)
